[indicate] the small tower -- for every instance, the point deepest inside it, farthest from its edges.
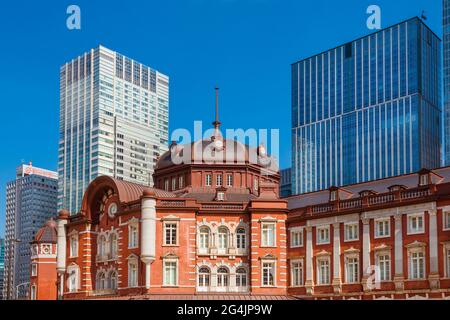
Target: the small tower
(43, 276)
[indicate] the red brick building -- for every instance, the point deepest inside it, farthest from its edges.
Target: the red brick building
(216, 226)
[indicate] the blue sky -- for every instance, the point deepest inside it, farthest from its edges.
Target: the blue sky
(244, 46)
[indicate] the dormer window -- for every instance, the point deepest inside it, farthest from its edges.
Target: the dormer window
(424, 180)
(220, 196)
(396, 188)
(334, 194)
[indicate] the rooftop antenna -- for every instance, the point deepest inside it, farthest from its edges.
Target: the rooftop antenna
(424, 15)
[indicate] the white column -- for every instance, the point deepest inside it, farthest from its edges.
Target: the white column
(398, 278)
(309, 283)
(148, 234)
(336, 258)
(61, 243)
(434, 261)
(366, 253)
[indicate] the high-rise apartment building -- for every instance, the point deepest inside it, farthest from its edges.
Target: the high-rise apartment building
(114, 116)
(31, 200)
(2, 267)
(368, 109)
(446, 76)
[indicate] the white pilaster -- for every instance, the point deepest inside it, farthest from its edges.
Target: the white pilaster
(336, 258)
(148, 235)
(398, 278)
(309, 283)
(434, 261)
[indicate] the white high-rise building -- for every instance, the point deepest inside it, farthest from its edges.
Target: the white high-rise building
(113, 121)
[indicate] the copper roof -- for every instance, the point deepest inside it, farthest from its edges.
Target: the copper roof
(47, 234)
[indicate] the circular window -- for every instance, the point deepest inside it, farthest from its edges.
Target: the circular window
(112, 210)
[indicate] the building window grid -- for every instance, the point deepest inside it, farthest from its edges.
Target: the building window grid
(268, 274)
(323, 235)
(417, 265)
(415, 224)
(170, 273)
(352, 269)
(170, 233)
(268, 235)
(296, 238)
(446, 217)
(133, 236)
(297, 273)
(323, 271)
(352, 232)
(383, 261)
(382, 228)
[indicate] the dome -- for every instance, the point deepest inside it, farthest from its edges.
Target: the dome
(47, 234)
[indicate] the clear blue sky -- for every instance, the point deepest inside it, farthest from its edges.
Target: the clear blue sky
(244, 46)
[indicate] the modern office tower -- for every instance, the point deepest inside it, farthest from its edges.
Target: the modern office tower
(31, 200)
(113, 121)
(446, 93)
(2, 266)
(285, 183)
(368, 109)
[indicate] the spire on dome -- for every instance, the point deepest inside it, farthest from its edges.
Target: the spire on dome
(217, 123)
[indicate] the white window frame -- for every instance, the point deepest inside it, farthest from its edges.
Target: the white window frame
(383, 254)
(131, 233)
(241, 239)
(168, 227)
(229, 180)
(223, 279)
(73, 272)
(382, 221)
(411, 252)
(272, 268)
(297, 238)
(297, 273)
(133, 281)
(73, 242)
(446, 220)
(347, 227)
(208, 180)
(410, 218)
(201, 238)
(219, 180)
(319, 275)
(166, 281)
(352, 264)
(447, 260)
(202, 277)
(34, 269)
(33, 292)
(174, 184)
(114, 245)
(269, 241)
(319, 240)
(223, 238)
(181, 182)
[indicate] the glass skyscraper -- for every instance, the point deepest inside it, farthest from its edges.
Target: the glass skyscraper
(446, 39)
(31, 200)
(2, 266)
(368, 109)
(114, 115)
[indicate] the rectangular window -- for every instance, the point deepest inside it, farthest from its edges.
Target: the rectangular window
(417, 265)
(447, 220)
(297, 273)
(448, 262)
(174, 184)
(170, 232)
(352, 270)
(181, 182)
(208, 180)
(230, 180)
(323, 235)
(34, 270)
(351, 232)
(268, 274)
(33, 292)
(384, 266)
(166, 184)
(296, 238)
(74, 247)
(382, 228)
(415, 224)
(170, 273)
(132, 236)
(268, 235)
(323, 271)
(219, 180)
(132, 274)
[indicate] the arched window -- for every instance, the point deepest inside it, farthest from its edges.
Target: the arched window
(101, 281)
(113, 245)
(203, 277)
(223, 238)
(222, 277)
(240, 238)
(101, 246)
(241, 277)
(113, 280)
(204, 238)
(74, 246)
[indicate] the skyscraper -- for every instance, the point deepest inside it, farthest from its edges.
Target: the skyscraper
(113, 121)
(31, 200)
(2, 266)
(446, 67)
(368, 109)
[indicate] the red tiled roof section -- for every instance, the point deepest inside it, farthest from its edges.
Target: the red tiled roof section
(129, 191)
(47, 234)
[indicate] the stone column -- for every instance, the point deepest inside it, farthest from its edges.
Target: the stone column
(61, 244)
(337, 258)
(434, 262)
(366, 253)
(309, 283)
(398, 277)
(148, 233)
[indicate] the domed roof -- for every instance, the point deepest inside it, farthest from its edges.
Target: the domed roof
(211, 150)
(47, 234)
